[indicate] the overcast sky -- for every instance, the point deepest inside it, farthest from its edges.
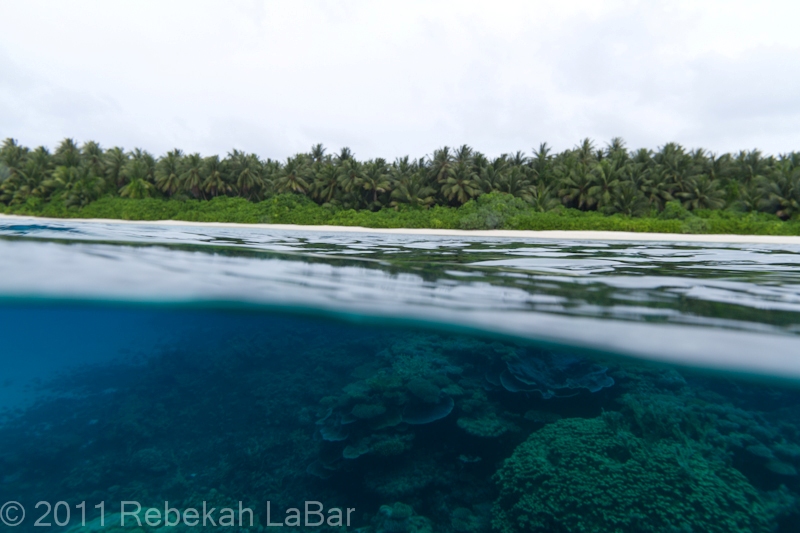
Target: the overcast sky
(401, 77)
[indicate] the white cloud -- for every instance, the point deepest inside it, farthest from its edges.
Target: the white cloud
(389, 79)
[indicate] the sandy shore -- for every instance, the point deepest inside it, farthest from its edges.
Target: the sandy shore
(516, 234)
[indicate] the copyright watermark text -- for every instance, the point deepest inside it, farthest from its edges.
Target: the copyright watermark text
(134, 514)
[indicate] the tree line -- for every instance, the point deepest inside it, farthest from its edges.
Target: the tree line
(610, 179)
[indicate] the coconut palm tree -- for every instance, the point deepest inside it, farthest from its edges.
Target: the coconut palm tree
(441, 165)
(657, 188)
(192, 174)
(491, 176)
(214, 180)
(85, 190)
(413, 191)
(318, 153)
(783, 190)
(461, 183)
(92, 157)
(247, 171)
(515, 182)
(617, 151)
(67, 154)
(168, 172)
(627, 200)
(351, 177)
(345, 154)
(585, 153)
(751, 166)
(375, 180)
(542, 165)
(607, 177)
(326, 183)
(115, 160)
(293, 177)
(576, 181)
(543, 198)
(137, 179)
(676, 165)
(702, 192)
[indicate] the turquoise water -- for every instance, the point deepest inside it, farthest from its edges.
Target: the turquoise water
(428, 383)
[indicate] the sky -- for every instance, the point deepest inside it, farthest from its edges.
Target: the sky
(392, 78)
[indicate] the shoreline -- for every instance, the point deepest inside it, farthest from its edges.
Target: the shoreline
(519, 234)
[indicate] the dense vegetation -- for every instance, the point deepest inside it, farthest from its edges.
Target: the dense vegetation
(612, 188)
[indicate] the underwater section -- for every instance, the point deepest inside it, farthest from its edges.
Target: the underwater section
(296, 419)
(186, 378)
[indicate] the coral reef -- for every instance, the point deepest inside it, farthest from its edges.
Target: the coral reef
(591, 475)
(549, 374)
(400, 518)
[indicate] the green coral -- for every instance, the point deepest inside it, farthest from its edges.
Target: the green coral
(586, 475)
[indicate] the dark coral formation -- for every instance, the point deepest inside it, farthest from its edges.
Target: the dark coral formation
(549, 374)
(591, 475)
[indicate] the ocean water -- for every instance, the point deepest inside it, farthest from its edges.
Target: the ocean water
(342, 381)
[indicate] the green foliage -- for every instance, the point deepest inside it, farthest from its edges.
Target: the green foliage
(491, 211)
(669, 190)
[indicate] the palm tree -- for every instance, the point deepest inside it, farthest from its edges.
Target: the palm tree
(12, 154)
(246, 170)
(627, 200)
(192, 174)
(617, 151)
(214, 182)
(657, 188)
(137, 189)
(137, 179)
(168, 172)
(576, 182)
(543, 198)
(515, 182)
(783, 189)
(115, 161)
(351, 175)
(606, 179)
(702, 193)
(88, 188)
(751, 166)
(542, 165)
(413, 191)
(376, 180)
(345, 154)
(148, 163)
(326, 182)
(754, 197)
(67, 154)
(92, 157)
(585, 152)
(491, 176)
(318, 153)
(441, 165)
(676, 165)
(461, 184)
(292, 177)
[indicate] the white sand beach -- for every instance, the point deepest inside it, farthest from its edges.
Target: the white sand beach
(516, 234)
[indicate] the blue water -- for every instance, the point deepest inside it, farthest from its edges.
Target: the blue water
(430, 383)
